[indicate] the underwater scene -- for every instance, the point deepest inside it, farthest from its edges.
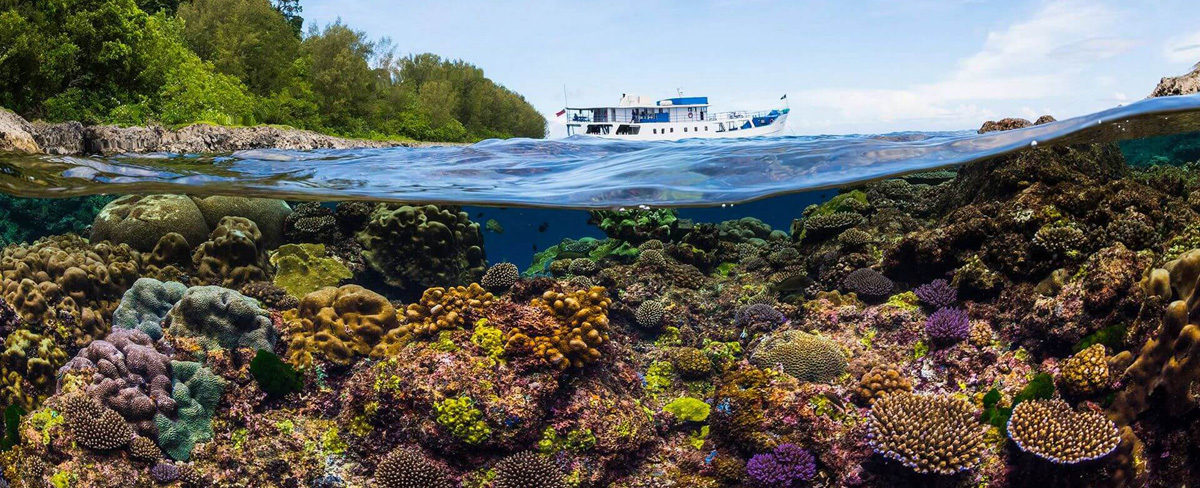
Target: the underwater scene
(1008, 307)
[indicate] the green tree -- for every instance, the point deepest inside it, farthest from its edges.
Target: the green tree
(248, 39)
(291, 10)
(342, 81)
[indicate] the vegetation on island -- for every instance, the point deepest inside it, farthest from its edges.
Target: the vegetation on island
(239, 62)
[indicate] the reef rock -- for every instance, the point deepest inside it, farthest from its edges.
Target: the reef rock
(1178, 85)
(16, 134)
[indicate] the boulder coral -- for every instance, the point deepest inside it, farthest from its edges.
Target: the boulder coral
(141, 221)
(338, 325)
(146, 304)
(218, 317)
(414, 248)
(801, 355)
(234, 254)
(267, 213)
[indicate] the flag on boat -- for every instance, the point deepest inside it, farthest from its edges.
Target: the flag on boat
(784, 97)
(560, 112)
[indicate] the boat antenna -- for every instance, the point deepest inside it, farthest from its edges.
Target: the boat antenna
(565, 104)
(679, 90)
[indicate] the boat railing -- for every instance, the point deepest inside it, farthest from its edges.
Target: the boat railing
(650, 118)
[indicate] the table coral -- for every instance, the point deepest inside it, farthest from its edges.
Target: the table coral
(1051, 430)
(927, 433)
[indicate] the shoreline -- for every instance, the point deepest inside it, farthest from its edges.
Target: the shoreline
(76, 139)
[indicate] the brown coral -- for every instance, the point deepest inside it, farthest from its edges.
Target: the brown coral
(881, 381)
(443, 309)
(1085, 373)
(233, 255)
(927, 433)
(802, 355)
(582, 317)
(1050, 429)
(338, 324)
(28, 362)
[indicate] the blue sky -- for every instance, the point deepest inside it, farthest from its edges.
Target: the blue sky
(847, 66)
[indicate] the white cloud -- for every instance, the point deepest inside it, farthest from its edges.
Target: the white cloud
(1042, 57)
(1184, 49)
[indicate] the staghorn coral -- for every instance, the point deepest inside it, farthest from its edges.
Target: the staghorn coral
(582, 317)
(787, 466)
(649, 314)
(927, 433)
(948, 326)
(421, 247)
(1085, 373)
(406, 468)
(443, 309)
(801, 355)
(500, 277)
(937, 294)
(127, 374)
(234, 254)
(304, 268)
(146, 304)
(27, 368)
(528, 469)
(338, 324)
(1051, 430)
(881, 381)
(218, 317)
(95, 426)
(196, 391)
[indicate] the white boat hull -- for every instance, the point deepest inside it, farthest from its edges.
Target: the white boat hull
(673, 131)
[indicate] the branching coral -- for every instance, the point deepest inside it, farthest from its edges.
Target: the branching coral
(649, 314)
(95, 426)
(338, 324)
(881, 381)
(1051, 430)
(1085, 373)
(420, 247)
(867, 282)
(927, 433)
(787, 466)
(948, 326)
(443, 309)
(500, 277)
(582, 317)
(802, 355)
(937, 293)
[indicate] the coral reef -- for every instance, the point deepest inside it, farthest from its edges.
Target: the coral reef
(338, 324)
(301, 269)
(218, 317)
(802, 355)
(421, 247)
(234, 254)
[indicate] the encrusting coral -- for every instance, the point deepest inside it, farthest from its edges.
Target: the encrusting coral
(304, 268)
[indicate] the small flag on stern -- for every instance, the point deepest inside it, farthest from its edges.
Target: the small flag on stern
(560, 112)
(784, 97)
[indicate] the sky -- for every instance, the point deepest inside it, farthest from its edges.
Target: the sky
(868, 66)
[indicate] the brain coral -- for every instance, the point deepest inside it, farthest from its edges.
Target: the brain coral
(128, 375)
(1051, 430)
(233, 255)
(425, 246)
(27, 364)
(220, 318)
(146, 304)
(141, 221)
(304, 268)
(338, 324)
(927, 433)
(405, 468)
(802, 355)
(196, 391)
(1085, 373)
(528, 470)
(95, 426)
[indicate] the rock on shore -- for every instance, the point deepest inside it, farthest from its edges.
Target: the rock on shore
(70, 138)
(1179, 85)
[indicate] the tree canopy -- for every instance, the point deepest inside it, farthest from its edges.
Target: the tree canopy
(239, 62)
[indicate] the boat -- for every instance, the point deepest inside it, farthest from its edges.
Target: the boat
(642, 119)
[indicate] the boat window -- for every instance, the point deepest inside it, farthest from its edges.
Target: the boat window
(706, 128)
(672, 130)
(685, 129)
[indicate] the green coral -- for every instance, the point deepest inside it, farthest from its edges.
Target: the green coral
(658, 377)
(273, 375)
(464, 421)
(488, 338)
(636, 225)
(304, 268)
(688, 409)
(906, 301)
(197, 391)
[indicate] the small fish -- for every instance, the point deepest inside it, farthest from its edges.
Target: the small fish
(535, 247)
(570, 255)
(478, 214)
(494, 226)
(792, 284)
(544, 226)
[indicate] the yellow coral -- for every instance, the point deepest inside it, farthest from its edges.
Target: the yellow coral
(442, 309)
(1085, 373)
(582, 317)
(338, 324)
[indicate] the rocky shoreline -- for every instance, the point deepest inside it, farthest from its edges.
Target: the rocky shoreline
(74, 138)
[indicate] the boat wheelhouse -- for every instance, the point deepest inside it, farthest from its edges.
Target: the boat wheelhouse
(639, 118)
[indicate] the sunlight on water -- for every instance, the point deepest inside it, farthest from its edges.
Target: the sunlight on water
(578, 172)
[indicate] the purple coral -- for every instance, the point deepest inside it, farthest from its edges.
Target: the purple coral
(128, 375)
(164, 473)
(948, 325)
(937, 293)
(787, 466)
(758, 315)
(868, 283)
